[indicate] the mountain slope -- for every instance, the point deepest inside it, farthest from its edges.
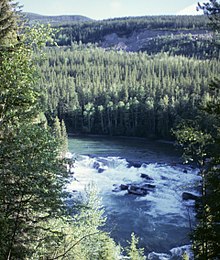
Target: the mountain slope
(56, 20)
(177, 35)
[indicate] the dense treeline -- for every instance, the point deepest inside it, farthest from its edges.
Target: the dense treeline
(35, 221)
(94, 31)
(95, 91)
(201, 144)
(181, 35)
(119, 93)
(55, 20)
(199, 46)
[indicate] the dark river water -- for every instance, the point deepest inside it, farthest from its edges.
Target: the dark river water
(161, 219)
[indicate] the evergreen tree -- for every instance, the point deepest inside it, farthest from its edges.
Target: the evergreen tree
(123, 93)
(8, 22)
(32, 176)
(35, 222)
(204, 149)
(64, 137)
(133, 252)
(56, 128)
(202, 144)
(78, 237)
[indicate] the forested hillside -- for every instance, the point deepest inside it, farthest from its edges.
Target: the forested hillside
(153, 34)
(96, 31)
(100, 91)
(55, 20)
(134, 76)
(119, 93)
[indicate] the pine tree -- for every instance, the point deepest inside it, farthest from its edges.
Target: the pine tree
(201, 143)
(64, 137)
(32, 175)
(56, 128)
(133, 252)
(8, 22)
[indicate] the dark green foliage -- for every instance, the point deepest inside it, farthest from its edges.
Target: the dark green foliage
(59, 132)
(202, 144)
(94, 31)
(17, 102)
(194, 142)
(207, 233)
(206, 236)
(34, 220)
(119, 93)
(32, 175)
(31, 187)
(191, 45)
(181, 35)
(55, 20)
(212, 10)
(133, 252)
(8, 22)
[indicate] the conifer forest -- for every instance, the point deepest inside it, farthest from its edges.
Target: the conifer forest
(146, 78)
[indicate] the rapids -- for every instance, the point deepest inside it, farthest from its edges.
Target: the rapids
(161, 219)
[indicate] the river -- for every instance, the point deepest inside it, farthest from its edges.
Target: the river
(161, 219)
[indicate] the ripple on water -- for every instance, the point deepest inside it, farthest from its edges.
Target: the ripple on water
(160, 219)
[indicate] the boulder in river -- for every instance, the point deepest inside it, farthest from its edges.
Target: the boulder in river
(146, 177)
(96, 165)
(124, 186)
(134, 164)
(147, 186)
(189, 196)
(140, 189)
(100, 170)
(137, 190)
(117, 188)
(121, 187)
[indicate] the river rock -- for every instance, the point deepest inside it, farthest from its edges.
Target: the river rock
(136, 190)
(178, 252)
(189, 196)
(103, 161)
(124, 186)
(146, 177)
(140, 189)
(100, 170)
(117, 188)
(96, 165)
(134, 164)
(147, 186)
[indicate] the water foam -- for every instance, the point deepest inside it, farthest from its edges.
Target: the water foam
(163, 205)
(170, 181)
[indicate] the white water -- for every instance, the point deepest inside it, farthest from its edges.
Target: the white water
(161, 219)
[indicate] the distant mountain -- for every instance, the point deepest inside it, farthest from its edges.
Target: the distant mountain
(178, 35)
(56, 20)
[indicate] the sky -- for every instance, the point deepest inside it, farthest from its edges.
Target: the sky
(103, 9)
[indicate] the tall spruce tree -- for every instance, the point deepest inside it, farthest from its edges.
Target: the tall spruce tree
(34, 220)
(8, 22)
(32, 175)
(202, 145)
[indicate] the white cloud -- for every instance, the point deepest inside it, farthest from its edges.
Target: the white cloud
(190, 10)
